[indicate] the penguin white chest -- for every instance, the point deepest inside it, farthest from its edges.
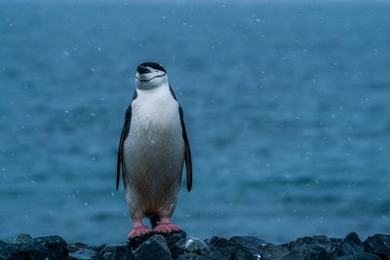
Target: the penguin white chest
(155, 118)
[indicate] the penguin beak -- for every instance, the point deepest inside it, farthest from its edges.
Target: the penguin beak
(143, 70)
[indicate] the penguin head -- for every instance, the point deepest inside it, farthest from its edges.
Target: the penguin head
(150, 75)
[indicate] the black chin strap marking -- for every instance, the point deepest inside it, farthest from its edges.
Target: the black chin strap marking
(152, 78)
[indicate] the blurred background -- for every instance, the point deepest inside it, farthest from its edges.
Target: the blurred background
(287, 105)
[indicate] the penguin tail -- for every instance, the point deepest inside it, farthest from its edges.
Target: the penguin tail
(154, 221)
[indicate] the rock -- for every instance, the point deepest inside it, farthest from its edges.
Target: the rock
(28, 250)
(366, 256)
(197, 246)
(173, 238)
(360, 256)
(57, 246)
(379, 245)
(249, 243)
(82, 251)
(8, 250)
(221, 254)
(155, 247)
(116, 252)
(221, 242)
(221, 248)
(176, 246)
(192, 256)
(311, 248)
(22, 238)
(273, 252)
(351, 246)
(242, 254)
(137, 241)
(176, 242)
(53, 247)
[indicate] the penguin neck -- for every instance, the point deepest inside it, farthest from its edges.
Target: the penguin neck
(155, 89)
(142, 87)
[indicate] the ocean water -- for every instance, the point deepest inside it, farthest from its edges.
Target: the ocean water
(287, 106)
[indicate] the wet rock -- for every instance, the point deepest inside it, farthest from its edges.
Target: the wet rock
(22, 238)
(137, 241)
(242, 254)
(82, 251)
(379, 245)
(56, 245)
(366, 256)
(176, 246)
(192, 256)
(249, 243)
(223, 254)
(197, 246)
(360, 256)
(176, 242)
(311, 248)
(53, 247)
(221, 248)
(155, 247)
(351, 246)
(173, 238)
(221, 242)
(273, 252)
(116, 252)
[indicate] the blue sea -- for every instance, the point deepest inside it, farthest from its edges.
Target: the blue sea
(287, 105)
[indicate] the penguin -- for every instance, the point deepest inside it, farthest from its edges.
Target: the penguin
(152, 150)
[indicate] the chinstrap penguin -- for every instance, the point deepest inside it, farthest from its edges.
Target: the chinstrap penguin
(152, 149)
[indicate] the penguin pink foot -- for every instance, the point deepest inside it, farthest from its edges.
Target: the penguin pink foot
(165, 226)
(139, 229)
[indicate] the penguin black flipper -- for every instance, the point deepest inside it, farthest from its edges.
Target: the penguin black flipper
(187, 149)
(120, 166)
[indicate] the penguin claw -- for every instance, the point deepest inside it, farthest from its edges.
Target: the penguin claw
(138, 232)
(166, 228)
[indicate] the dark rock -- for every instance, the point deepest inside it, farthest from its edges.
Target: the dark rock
(351, 246)
(221, 253)
(249, 243)
(27, 250)
(352, 238)
(221, 242)
(221, 248)
(52, 247)
(137, 241)
(176, 246)
(173, 238)
(155, 247)
(83, 251)
(197, 246)
(179, 248)
(273, 252)
(57, 245)
(192, 256)
(366, 256)
(22, 238)
(378, 244)
(242, 254)
(360, 256)
(311, 248)
(116, 252)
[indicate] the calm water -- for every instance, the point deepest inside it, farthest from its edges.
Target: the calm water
(287, 108)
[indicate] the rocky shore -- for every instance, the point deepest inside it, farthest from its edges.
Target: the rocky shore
(180, 246)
